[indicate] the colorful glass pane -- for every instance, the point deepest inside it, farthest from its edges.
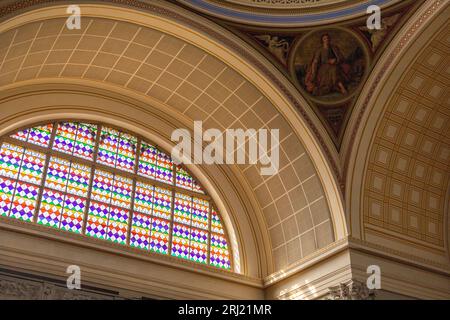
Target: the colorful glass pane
(10, 160)
(126, 156)
(39, 135)
(184, 180)
(51, 209)
(24, 201)
(102, 186)
(97, 221)
(200, 213)
(18, 200)
(32, 167)
(216, 224)
(109, 145)
(118, 225)
(199, 246)
(117, 149)
(143, 200)
(121, 193)
(164, 170)
(148, 161)
(57, 174)
(162, 207)
(180, 241)
(22, 135)
(196, 187)
(64, 208)
(219, 255)
(78, 180)
(72, 217)
(182, 209)
(7, 188)
(109, 219)
(85, 143)
(140, 231)
(66, 134)
(77, 139)
(151, 232)
(160, 235)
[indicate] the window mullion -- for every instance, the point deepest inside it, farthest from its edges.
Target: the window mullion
(65, 194)
(44, 172)
(208, 256)
(172, 209)
(133, 191)
(191, 222)
(91, 179)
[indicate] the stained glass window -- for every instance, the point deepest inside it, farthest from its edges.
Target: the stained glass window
(96, 181)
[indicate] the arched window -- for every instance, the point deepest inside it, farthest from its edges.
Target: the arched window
(101, 182)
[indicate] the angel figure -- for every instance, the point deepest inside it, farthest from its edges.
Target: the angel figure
(378, 35)
(279, 47)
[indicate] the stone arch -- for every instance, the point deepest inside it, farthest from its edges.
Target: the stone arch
(305, 191)
(394, 129)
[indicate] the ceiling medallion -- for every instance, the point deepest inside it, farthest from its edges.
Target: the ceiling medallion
(329, 65)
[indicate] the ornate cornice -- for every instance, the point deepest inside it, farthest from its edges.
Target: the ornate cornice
(17, 288)
(285, 13)
(351, 290)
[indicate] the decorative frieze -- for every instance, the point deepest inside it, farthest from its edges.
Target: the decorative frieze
(12, 288)
(351, 290)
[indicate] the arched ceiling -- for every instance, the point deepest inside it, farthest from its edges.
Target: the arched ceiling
(399, 151)
(408, 169)
(113, 50)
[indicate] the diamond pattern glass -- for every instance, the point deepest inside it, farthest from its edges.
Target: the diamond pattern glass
(76, 139)
(64, 197)
(39, 135)
(109, 190)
